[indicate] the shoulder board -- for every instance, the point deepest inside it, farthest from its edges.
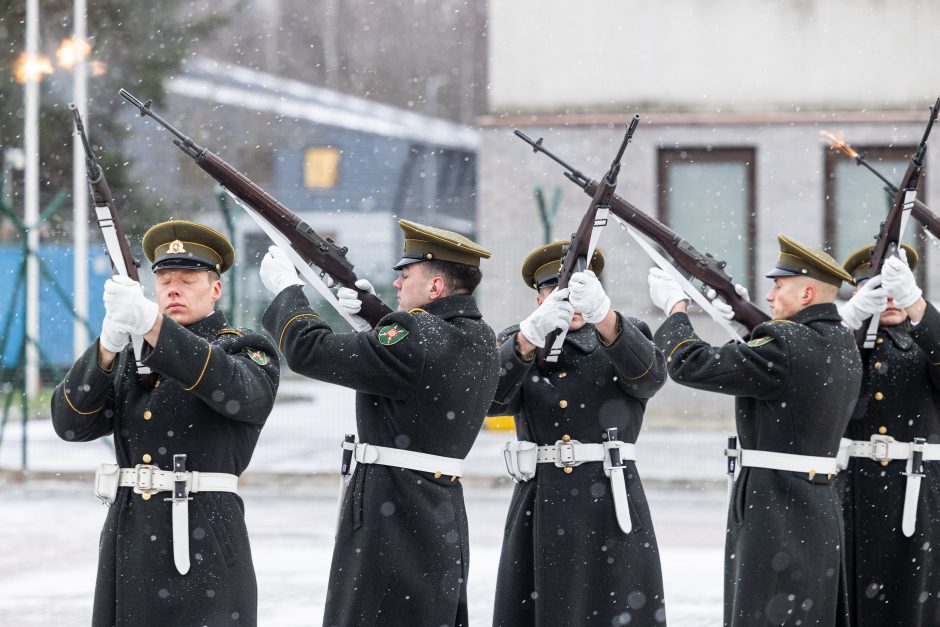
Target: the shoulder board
(416, 310)
(229, 332)
(781, 320)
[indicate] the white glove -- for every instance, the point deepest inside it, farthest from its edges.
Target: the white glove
(719, 303)
(126, 305)
(113, 336)
(349, 298)
(899, 281)
(870, 300)
(277, 271)
(664, 291)
(586, 295)
(554, 313)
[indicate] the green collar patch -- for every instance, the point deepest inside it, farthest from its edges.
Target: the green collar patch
(759, 341)
(259, 357)
(392, 334)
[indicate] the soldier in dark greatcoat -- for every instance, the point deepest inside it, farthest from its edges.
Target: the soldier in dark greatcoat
(569, 556)
(424, 378)
(890, 506)
(795, 381)
(185, 430)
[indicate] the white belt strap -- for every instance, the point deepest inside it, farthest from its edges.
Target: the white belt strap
(521, 458)
(884, 449)
(785, 461)
(147, 480)
(402, 458)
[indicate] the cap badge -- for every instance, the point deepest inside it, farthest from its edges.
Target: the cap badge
(176, 247)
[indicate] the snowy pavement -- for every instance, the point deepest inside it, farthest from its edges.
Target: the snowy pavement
(49, 523)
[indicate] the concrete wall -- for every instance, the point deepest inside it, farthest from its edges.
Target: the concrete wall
(717, 56)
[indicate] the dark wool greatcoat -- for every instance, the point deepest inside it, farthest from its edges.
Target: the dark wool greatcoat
(401, 555)
(565, 561)
(796, 383)
(213, 391)
(895, 580)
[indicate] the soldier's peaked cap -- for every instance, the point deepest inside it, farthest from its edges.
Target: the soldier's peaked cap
(797, 259)
(542, 266)
(427, 243)
(858, 263)
(187, 246)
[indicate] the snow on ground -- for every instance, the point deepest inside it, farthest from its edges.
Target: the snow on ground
(50, 523)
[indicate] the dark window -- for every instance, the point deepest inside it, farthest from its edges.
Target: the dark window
(706, 195)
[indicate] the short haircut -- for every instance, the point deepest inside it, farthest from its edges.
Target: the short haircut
(459, 278)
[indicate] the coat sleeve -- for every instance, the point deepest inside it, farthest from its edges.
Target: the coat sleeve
(83, 403)
(236, 374)
(512, 372)
(639, 363)
(927, 336)
(758, 369)
(354, 360)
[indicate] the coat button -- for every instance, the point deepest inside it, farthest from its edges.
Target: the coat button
(568, 470)
(146, 496)
(148, 415)
(562, 403)
(437, 475)
(880, 340)
(877, 365)
(885, 462)
(147, 458)
(566, 438)
(812, 473)
(879, 396)
(882, 430)
(562, 375)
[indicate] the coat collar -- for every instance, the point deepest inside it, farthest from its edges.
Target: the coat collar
(823, 312)
(457, 306)
(209, 326)
(584, 339)
(899, 335)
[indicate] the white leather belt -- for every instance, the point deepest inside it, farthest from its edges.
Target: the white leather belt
(147, 480)
(785, 461)
(522, 457)
(885, 449)
(403, 458)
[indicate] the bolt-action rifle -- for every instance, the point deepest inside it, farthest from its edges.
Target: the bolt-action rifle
(313, 250)
(119, 251)
(704, 267)
(889, 236)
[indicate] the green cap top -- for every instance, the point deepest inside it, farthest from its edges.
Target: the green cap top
(859, 263)
(797, 259)
(426, 243)
(188, 246)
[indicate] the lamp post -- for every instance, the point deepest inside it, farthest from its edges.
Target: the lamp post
(33, 75)
(79, 185)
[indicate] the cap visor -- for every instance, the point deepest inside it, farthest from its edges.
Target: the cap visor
(779, 272)
(405, 261)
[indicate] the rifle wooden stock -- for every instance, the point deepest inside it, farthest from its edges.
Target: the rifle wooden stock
(703, 267)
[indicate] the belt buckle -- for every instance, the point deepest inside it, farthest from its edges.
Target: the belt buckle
(566, 454)
(143, 479)
(879, 447)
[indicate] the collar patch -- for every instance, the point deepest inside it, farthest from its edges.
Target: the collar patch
(760, 341)
(257, 356)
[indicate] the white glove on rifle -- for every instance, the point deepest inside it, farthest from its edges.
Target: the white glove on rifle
(349, 298)
(899, 282)
(586, 295)
(664, 291)
(719, 303)
(554, 313)
(870, 300)
(126, 305)
(113, 336)
(277, 271)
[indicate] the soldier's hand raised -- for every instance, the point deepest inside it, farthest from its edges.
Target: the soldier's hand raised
(869, 300)
(898, 280)
(277, 271)
(587, 296)
(554, 313)
(664, 291)
(126, 305)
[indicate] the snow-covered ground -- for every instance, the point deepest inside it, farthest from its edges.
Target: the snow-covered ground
(49, 523)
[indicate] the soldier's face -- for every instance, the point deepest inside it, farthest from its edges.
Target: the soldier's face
(786, 297)
(576, 322)
(416, 287)
(187, 295)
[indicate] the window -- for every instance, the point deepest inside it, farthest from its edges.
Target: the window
(321, 166)
(706, 195)
(856, 201)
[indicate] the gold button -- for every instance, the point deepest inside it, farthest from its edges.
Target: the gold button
(885, 462)
(148, 415)
(568, 470)
(454, 478)
(812, 473)
(437, 475)
(157, 384)
(829, 475)
(562, 375)
(563, 404)
(880, 340)
(877, 365)
(146, 496)
(146, 458)
(882, 430)
(879, 396)
(566, 438)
